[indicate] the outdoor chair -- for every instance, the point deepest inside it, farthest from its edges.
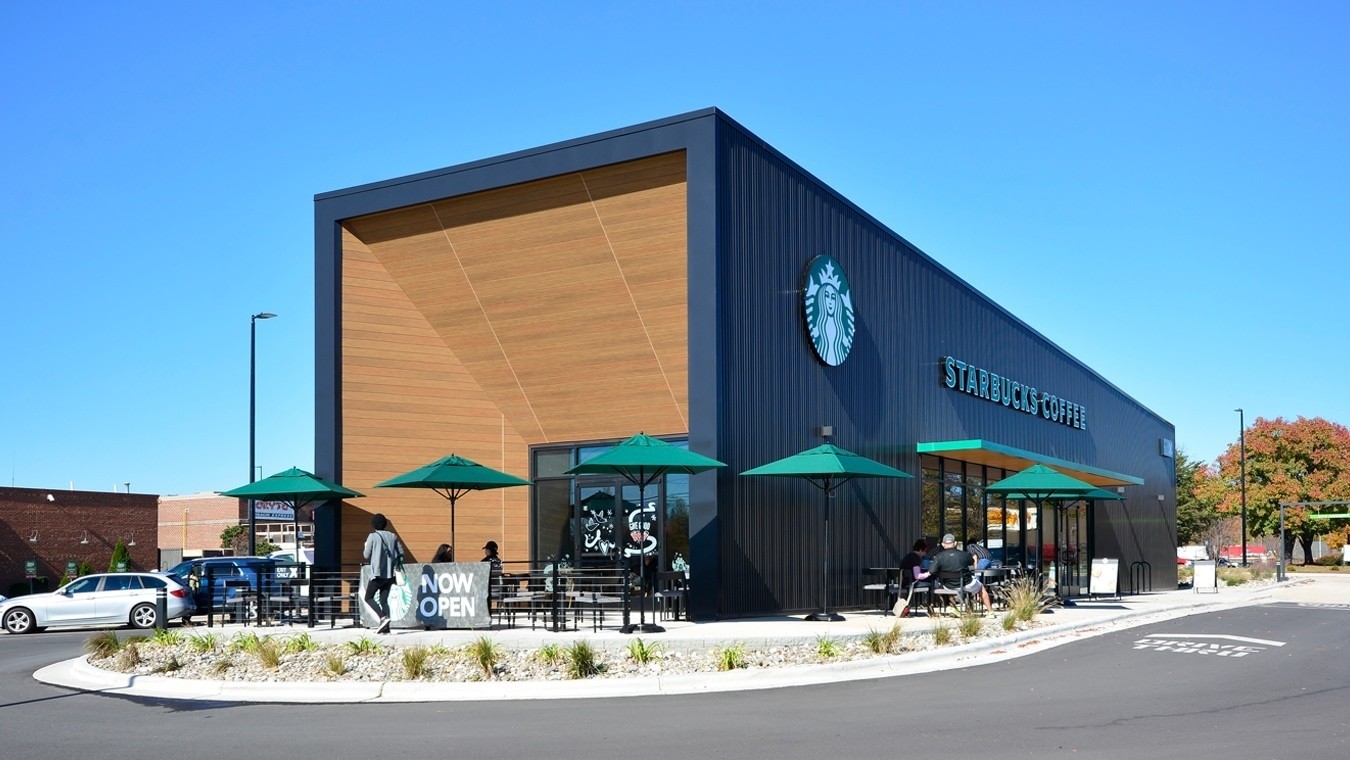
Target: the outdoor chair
(673, 594)
(953, 600)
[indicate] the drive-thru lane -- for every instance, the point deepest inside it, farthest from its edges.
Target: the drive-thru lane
(1106, 696)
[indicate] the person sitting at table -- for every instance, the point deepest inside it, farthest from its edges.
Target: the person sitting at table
(951, 564)
(983, 559)
(444, 553)
(911, 567)
(911, 572)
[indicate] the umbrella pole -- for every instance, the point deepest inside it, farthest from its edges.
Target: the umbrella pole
(825, 615)
(453, 545)
(642, 625)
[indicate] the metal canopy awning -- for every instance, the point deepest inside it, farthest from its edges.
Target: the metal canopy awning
(1010, 458)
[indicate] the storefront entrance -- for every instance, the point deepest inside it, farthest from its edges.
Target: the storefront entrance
(613, 524)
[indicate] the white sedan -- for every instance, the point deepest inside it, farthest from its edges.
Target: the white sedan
(105, 598)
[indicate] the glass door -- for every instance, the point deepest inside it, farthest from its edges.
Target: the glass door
(615, 525)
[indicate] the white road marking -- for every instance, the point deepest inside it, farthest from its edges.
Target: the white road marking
(1266, 642)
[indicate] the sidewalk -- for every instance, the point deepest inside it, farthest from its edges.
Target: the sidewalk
(1065, 625)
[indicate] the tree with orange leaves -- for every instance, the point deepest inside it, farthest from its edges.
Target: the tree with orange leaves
(1304, 460)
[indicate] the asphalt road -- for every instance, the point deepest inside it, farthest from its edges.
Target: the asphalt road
(1185, 688)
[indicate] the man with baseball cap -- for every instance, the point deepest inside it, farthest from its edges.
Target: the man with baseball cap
(951, 564)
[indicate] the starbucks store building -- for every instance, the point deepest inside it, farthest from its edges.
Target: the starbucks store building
(684, 279)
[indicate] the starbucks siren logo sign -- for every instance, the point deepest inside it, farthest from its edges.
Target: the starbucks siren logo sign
(829, 310)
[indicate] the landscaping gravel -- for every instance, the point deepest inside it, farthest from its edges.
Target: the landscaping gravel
(242, 657)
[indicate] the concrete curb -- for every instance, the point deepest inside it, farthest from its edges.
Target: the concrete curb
(78, 674)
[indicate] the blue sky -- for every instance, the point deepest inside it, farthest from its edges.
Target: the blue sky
(1159, 188)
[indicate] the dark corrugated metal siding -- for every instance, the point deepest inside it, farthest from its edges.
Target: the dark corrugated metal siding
(773, 393)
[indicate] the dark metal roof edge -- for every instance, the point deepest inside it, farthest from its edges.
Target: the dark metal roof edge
(702, 113)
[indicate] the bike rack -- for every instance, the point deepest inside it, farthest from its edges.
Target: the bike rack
(1141, 577)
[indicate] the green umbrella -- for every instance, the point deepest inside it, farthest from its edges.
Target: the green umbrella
(827, 467)
(452, 477)
(293, 485)
(1039, 483)
(641, 460)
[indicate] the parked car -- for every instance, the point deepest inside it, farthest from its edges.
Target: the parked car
(104, 598)
(219, 583)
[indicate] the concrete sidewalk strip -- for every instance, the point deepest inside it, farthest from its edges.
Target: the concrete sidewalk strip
(1067, 625)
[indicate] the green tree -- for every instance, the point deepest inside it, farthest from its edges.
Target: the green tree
(236, 537)
(120, 553)
(1303, 460)
(1195, 512)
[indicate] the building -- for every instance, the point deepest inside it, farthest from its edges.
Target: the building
(53, 528)
(683, 278)
(190, 525)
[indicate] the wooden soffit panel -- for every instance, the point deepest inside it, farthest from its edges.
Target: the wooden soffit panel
(564, 298)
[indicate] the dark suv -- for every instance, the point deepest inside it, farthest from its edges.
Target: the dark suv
(220, 584)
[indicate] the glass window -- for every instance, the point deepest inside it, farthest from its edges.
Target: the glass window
(86, 585)
(553, 512)
(932, 507)
(117, 582)
(953, 512)
(677, 520)
(150, 581)
(975, 514)
(552, 464)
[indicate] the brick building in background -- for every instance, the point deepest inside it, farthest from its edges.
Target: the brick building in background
(54, 527)
(190, 524)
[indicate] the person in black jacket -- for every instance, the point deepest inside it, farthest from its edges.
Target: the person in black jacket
(950, 565)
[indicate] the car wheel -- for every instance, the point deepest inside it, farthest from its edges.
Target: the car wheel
(143, 616)
(19, 620)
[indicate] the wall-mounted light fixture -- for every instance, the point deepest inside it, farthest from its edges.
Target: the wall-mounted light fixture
(33, 539)
(132, 542)
(84, 539)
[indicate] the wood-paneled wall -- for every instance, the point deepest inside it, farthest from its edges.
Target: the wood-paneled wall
(479, 325)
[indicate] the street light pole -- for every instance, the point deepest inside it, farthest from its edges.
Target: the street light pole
(252, 419)
(1242, 453)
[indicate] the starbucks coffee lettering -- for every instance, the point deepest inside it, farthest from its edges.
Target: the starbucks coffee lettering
(967, 378)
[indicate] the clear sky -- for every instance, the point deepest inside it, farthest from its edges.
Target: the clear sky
(1160, 188)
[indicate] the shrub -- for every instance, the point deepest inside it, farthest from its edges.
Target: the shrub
(334, 663)
(942, 632)
(1009, 621)
(222, 665)
(166, 637)
(1027, 598)
(549, 654)
(170, 666)
(415, 662)
(970, 625)
(485, 653)
(269, 654)
(102, 644)
(301, 642)
(582, 660)
(363, 645)
(891, 639)
(828, 648)
(245, 642)
(731, 657)
(130, 655)
(642, 652)
(120, 553)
